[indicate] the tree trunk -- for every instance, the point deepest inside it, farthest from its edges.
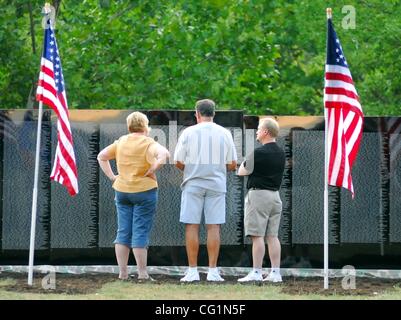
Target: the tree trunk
(56, 5)
(32, 27)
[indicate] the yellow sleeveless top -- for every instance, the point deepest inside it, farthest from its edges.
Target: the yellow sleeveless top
(133, 159)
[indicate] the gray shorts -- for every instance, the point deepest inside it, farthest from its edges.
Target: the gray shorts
(196, 200)
(262, 213)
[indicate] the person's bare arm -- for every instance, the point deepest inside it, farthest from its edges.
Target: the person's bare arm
(161, 155)
(180, 153)
(232, 166)
(104, 158)
(231, 156)
(180, 165)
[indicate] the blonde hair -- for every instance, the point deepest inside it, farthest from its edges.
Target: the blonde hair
(270, 125)
(137, 122)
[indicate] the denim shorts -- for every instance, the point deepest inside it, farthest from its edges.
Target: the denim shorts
(135, 213)
(196, 201)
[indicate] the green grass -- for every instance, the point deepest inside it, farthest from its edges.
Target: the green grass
(128, 290)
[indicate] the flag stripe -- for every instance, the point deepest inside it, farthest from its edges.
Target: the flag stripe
(340, 77)
(338, 69)
(340, 84)
(337, 154)
(341, 91)
(343, 100)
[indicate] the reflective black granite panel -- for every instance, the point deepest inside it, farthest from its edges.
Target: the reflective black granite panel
(167, 230)
(74, 222)
(231, 231)
(19, 148)
(395, 187)
(223, 118)
(308, 188)
(365, 233)
(360, 217)
(108, 133)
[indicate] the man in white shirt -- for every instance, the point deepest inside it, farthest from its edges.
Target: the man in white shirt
(205, 152)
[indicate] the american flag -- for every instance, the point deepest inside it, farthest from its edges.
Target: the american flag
(51, 92)
(344, 114)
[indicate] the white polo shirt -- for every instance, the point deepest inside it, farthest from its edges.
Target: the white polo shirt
(205, 149)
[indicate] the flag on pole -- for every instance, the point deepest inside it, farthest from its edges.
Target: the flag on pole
(51, 91)
(345, 116)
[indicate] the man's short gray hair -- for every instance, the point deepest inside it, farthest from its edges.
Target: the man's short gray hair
(205, 107)
(270, 125)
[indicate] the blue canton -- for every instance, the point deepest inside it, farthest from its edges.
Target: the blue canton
(51, 53)
(335, 55)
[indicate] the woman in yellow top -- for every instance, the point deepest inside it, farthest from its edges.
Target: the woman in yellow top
(138, 157)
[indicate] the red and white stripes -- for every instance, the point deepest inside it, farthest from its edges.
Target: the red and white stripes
(344, 125)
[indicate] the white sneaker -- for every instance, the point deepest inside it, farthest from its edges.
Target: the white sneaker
(251, 276)
(273, 277)
(214, 276)
(190, 276)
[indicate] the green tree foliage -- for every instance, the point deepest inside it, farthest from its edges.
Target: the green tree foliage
(266, 57)
(18, 64)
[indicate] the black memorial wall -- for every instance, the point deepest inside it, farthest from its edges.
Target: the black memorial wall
(364, 231)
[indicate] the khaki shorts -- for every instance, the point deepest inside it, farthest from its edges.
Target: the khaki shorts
(262, 213)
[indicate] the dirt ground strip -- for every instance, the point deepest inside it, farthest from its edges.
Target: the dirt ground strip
(90, 283)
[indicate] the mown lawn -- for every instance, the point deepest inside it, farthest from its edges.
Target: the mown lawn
(116, 290)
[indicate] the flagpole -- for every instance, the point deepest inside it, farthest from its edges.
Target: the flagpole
(46, 10)
(326, 207)
(326, 193)
(35, 197)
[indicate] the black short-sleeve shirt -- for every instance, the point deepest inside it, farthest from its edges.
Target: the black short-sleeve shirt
(267, 167)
